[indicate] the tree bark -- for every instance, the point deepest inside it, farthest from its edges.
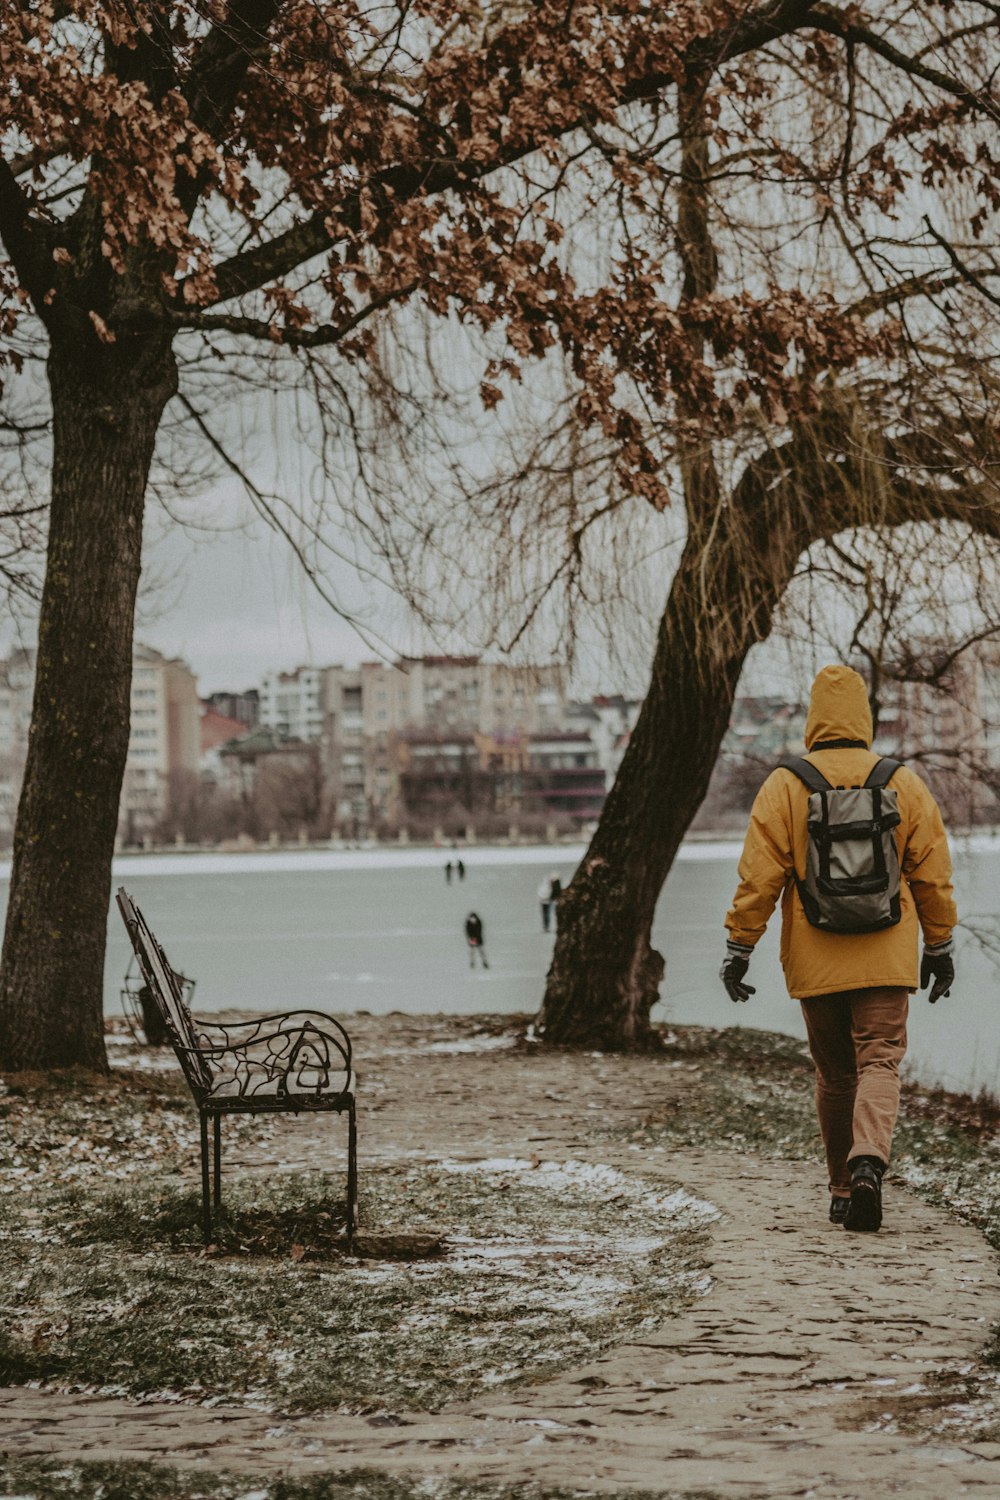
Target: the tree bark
(106, 406)
(605, 975)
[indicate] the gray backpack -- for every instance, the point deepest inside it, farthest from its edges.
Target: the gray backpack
(852, 865)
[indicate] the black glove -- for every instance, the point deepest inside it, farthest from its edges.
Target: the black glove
(736, 963)
(937, 964)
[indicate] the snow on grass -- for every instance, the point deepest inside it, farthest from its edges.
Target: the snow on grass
(482, 1042)
(131, 1479)
(604, 1182)
(104, 1283)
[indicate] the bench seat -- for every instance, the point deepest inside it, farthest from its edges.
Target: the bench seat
(241, 1086)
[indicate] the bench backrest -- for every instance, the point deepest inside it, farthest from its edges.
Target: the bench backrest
(166, 992)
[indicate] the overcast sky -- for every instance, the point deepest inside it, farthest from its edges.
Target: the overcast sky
(238, 604)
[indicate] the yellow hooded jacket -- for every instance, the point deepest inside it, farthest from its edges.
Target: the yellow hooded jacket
(823, 963)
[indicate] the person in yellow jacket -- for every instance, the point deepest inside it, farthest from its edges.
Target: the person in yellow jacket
(854, 987)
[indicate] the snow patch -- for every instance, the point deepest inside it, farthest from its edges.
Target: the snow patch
(606, 1182)
(480, 1043)
(143, 1062)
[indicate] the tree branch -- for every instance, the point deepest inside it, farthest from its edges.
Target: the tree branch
(223, 60)
(217, 75)
(828, 18)
(924, 285)
(37, 158)
(25, 239)
(700, 263)
(252, 269)
(266, 508)
(290, 338)
(966, 273)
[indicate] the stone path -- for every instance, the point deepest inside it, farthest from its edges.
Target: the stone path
(791, 1377)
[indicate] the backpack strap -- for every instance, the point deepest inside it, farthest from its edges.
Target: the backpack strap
(882, 772)
(806, 772)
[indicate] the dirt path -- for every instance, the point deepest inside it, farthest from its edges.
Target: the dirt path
(800, 1372)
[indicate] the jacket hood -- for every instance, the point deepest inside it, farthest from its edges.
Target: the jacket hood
(838, 708)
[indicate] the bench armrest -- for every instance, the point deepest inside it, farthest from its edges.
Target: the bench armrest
(263, 1029)
(299, 1053)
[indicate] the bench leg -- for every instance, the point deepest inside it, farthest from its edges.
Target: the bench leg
(217, 1163)
(206, 1202)
(352, 1173)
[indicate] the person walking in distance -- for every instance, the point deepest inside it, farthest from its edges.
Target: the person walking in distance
(475, 938)
(460, 867)
(555, 891)
(447, 873)
(545, 902)
(855, 848)
(548, 894)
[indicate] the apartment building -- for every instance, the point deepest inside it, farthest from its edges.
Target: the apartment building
(164, 738)
(609, 722)
(17, 686)
(373, 715)
(464, 692)
(244, 707)
(163, 735)
(346, 745)
(291, 703)
(564, 776)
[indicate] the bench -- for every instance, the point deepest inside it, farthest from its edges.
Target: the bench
(288, 1063)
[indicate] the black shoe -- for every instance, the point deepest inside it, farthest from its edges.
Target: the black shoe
(864, 1211)
(838, 1209)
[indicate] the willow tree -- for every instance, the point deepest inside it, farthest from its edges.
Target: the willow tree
(188, 182)
(818, 229)
(905, 191)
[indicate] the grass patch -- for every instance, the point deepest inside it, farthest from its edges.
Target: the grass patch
(753, 1090)
(43, 1479)
(110, 1287)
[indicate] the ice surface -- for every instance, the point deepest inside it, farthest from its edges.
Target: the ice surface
(379, 930)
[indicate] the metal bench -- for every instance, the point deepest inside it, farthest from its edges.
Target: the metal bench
(299, 1061)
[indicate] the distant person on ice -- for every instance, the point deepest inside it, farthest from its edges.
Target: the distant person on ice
(475, 938)
(548, 895)
(855, 848)
(447, 873)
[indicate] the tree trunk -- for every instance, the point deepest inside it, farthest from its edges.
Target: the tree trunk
(106, 406)
(605, 976)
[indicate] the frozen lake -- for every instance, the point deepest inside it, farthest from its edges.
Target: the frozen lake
(380, 930)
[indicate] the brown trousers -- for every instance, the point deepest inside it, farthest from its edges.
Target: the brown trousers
(857, 1040)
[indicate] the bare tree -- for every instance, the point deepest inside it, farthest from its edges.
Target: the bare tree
(852, 176)
(180, 184)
